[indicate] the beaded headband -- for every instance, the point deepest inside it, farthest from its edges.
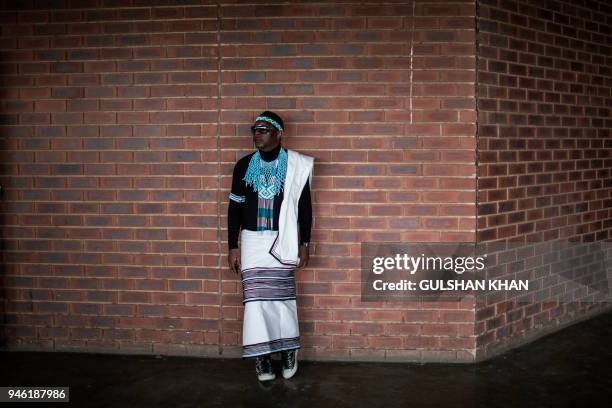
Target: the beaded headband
(269, 120)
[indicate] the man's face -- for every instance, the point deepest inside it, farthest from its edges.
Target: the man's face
(265, 139)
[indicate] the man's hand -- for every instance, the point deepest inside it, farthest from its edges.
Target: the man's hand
(304, 256)
(233, 258)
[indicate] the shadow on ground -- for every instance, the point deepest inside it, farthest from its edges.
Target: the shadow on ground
(568, 368)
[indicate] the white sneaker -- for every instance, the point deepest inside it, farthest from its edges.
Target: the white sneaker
(263, 368)
(290, 363)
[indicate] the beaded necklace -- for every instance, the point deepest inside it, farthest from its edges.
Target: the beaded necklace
(267, 179)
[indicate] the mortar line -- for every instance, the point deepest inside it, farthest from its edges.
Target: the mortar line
(218, 147)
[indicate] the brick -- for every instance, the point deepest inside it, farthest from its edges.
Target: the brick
(151, 127)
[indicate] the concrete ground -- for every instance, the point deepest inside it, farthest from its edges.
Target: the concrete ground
(570, 368)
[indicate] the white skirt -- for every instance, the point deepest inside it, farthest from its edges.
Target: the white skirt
(270, 312)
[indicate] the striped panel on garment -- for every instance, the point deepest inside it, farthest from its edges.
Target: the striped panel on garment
(272, 346)
(237, 198)
(265, 213)
(268, 284)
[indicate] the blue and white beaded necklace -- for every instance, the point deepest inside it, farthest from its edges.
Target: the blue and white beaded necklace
(267, 179)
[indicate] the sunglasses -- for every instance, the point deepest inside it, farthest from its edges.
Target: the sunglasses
(260, 129)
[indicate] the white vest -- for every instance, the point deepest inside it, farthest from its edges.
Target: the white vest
(285, 247)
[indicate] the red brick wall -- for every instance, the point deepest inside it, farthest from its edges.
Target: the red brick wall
(341, 76)
(544, 147)
(121, 121)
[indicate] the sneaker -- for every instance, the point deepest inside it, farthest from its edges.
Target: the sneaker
(290, 364)
(263, 368)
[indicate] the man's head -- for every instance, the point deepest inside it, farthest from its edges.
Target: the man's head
(267, 131)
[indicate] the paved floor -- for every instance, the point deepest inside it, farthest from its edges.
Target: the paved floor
(572, 367)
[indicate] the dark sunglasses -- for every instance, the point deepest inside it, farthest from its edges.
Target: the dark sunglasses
(260, 129)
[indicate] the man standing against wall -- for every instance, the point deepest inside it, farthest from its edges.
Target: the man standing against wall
(269, 204)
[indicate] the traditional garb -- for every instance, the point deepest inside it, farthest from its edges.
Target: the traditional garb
(270, 199)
